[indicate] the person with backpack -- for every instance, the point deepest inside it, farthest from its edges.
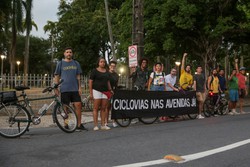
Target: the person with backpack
(70, 71)
(186, 79)
(213, 85)
(156, 80)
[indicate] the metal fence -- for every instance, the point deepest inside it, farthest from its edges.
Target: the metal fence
(45, 80)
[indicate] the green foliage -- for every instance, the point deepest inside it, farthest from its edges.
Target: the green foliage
(40, 59)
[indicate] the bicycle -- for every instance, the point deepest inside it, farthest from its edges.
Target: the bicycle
(16, 116)
(87, 103)
(127, 121)
(220, 107)
(191, 116)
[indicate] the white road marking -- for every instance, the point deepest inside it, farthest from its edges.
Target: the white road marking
(191, 157)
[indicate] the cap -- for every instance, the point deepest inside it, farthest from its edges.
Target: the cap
(242, 68)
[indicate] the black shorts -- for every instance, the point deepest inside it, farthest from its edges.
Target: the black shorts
(67, 97)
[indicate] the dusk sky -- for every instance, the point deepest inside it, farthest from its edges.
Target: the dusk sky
(44, 10)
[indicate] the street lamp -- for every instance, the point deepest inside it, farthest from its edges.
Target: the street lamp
(121, 70)
(2, 57)
(18, 63)
(177, 63)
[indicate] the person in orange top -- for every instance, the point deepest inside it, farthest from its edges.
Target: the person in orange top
(240, 74)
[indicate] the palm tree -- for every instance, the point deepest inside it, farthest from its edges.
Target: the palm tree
(28, 27)
(16, 26)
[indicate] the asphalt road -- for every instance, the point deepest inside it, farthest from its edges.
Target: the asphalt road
(50, 147)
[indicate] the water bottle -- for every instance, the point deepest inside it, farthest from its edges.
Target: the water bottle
(41, 110)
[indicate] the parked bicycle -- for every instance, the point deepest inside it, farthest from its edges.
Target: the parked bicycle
(220, 107)
(87, 103)
(16, 116)
(127, 121)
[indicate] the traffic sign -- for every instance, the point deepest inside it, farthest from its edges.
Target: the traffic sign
(132, 56)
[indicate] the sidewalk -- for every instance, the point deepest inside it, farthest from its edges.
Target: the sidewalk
(87, 117)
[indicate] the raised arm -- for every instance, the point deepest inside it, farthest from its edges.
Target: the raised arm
(236, 65)
(183, 61)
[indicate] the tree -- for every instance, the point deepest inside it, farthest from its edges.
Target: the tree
(39, 58)
(16, 26)
(28, 28)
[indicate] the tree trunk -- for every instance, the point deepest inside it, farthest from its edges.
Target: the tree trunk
(26, 57)
(138, 28)
(110, 30)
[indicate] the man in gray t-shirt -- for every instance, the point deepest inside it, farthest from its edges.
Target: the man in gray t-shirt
(199, 87)
(70, 71)
(170, 81)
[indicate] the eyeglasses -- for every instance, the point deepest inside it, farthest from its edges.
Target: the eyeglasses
(173, 71)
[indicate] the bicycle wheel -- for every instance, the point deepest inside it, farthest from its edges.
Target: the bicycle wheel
(223, 110)
(89, 104)
(65, 118)
(207, 109)
(192, 116)
(148, 120)
(14, 120)
(123, 122)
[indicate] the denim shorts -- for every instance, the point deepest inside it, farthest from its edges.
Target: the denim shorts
(157, 87)
(233, 95)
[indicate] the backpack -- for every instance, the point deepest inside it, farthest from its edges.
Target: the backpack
(162, 73)
(209, 84)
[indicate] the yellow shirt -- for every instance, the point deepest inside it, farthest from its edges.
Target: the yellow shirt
(186, 79)
(215, 85)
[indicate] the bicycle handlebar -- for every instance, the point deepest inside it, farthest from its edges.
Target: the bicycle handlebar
(51, 88)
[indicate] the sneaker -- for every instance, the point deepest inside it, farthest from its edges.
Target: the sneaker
(105, 128)
(81, 127)
(231, 113)
(200, 117)
(235, 112)
(242, 112)
(115, 125)
(96, 128)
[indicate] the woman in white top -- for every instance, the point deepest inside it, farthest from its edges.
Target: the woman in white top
(156, 79)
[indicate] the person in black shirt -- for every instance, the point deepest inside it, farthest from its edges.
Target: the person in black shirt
(100, 91)
(114, 77)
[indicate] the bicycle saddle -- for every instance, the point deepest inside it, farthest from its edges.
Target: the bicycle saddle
(18, 88)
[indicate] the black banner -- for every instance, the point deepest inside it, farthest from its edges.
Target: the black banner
(137, 104)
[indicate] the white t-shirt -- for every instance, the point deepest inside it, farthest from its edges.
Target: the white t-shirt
(158, 79)
(170, 79)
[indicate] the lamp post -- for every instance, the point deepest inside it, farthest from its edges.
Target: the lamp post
(18, 63)
(177, 63)
(121, 70)
(2, 57)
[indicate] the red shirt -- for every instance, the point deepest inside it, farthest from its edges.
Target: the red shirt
(241, 81)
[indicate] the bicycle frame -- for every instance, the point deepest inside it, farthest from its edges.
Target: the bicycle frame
(28, 101)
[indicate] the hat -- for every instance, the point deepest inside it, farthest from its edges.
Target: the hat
(242, 68)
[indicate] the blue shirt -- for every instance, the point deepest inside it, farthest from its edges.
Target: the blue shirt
(68, 72)
(222, 81)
